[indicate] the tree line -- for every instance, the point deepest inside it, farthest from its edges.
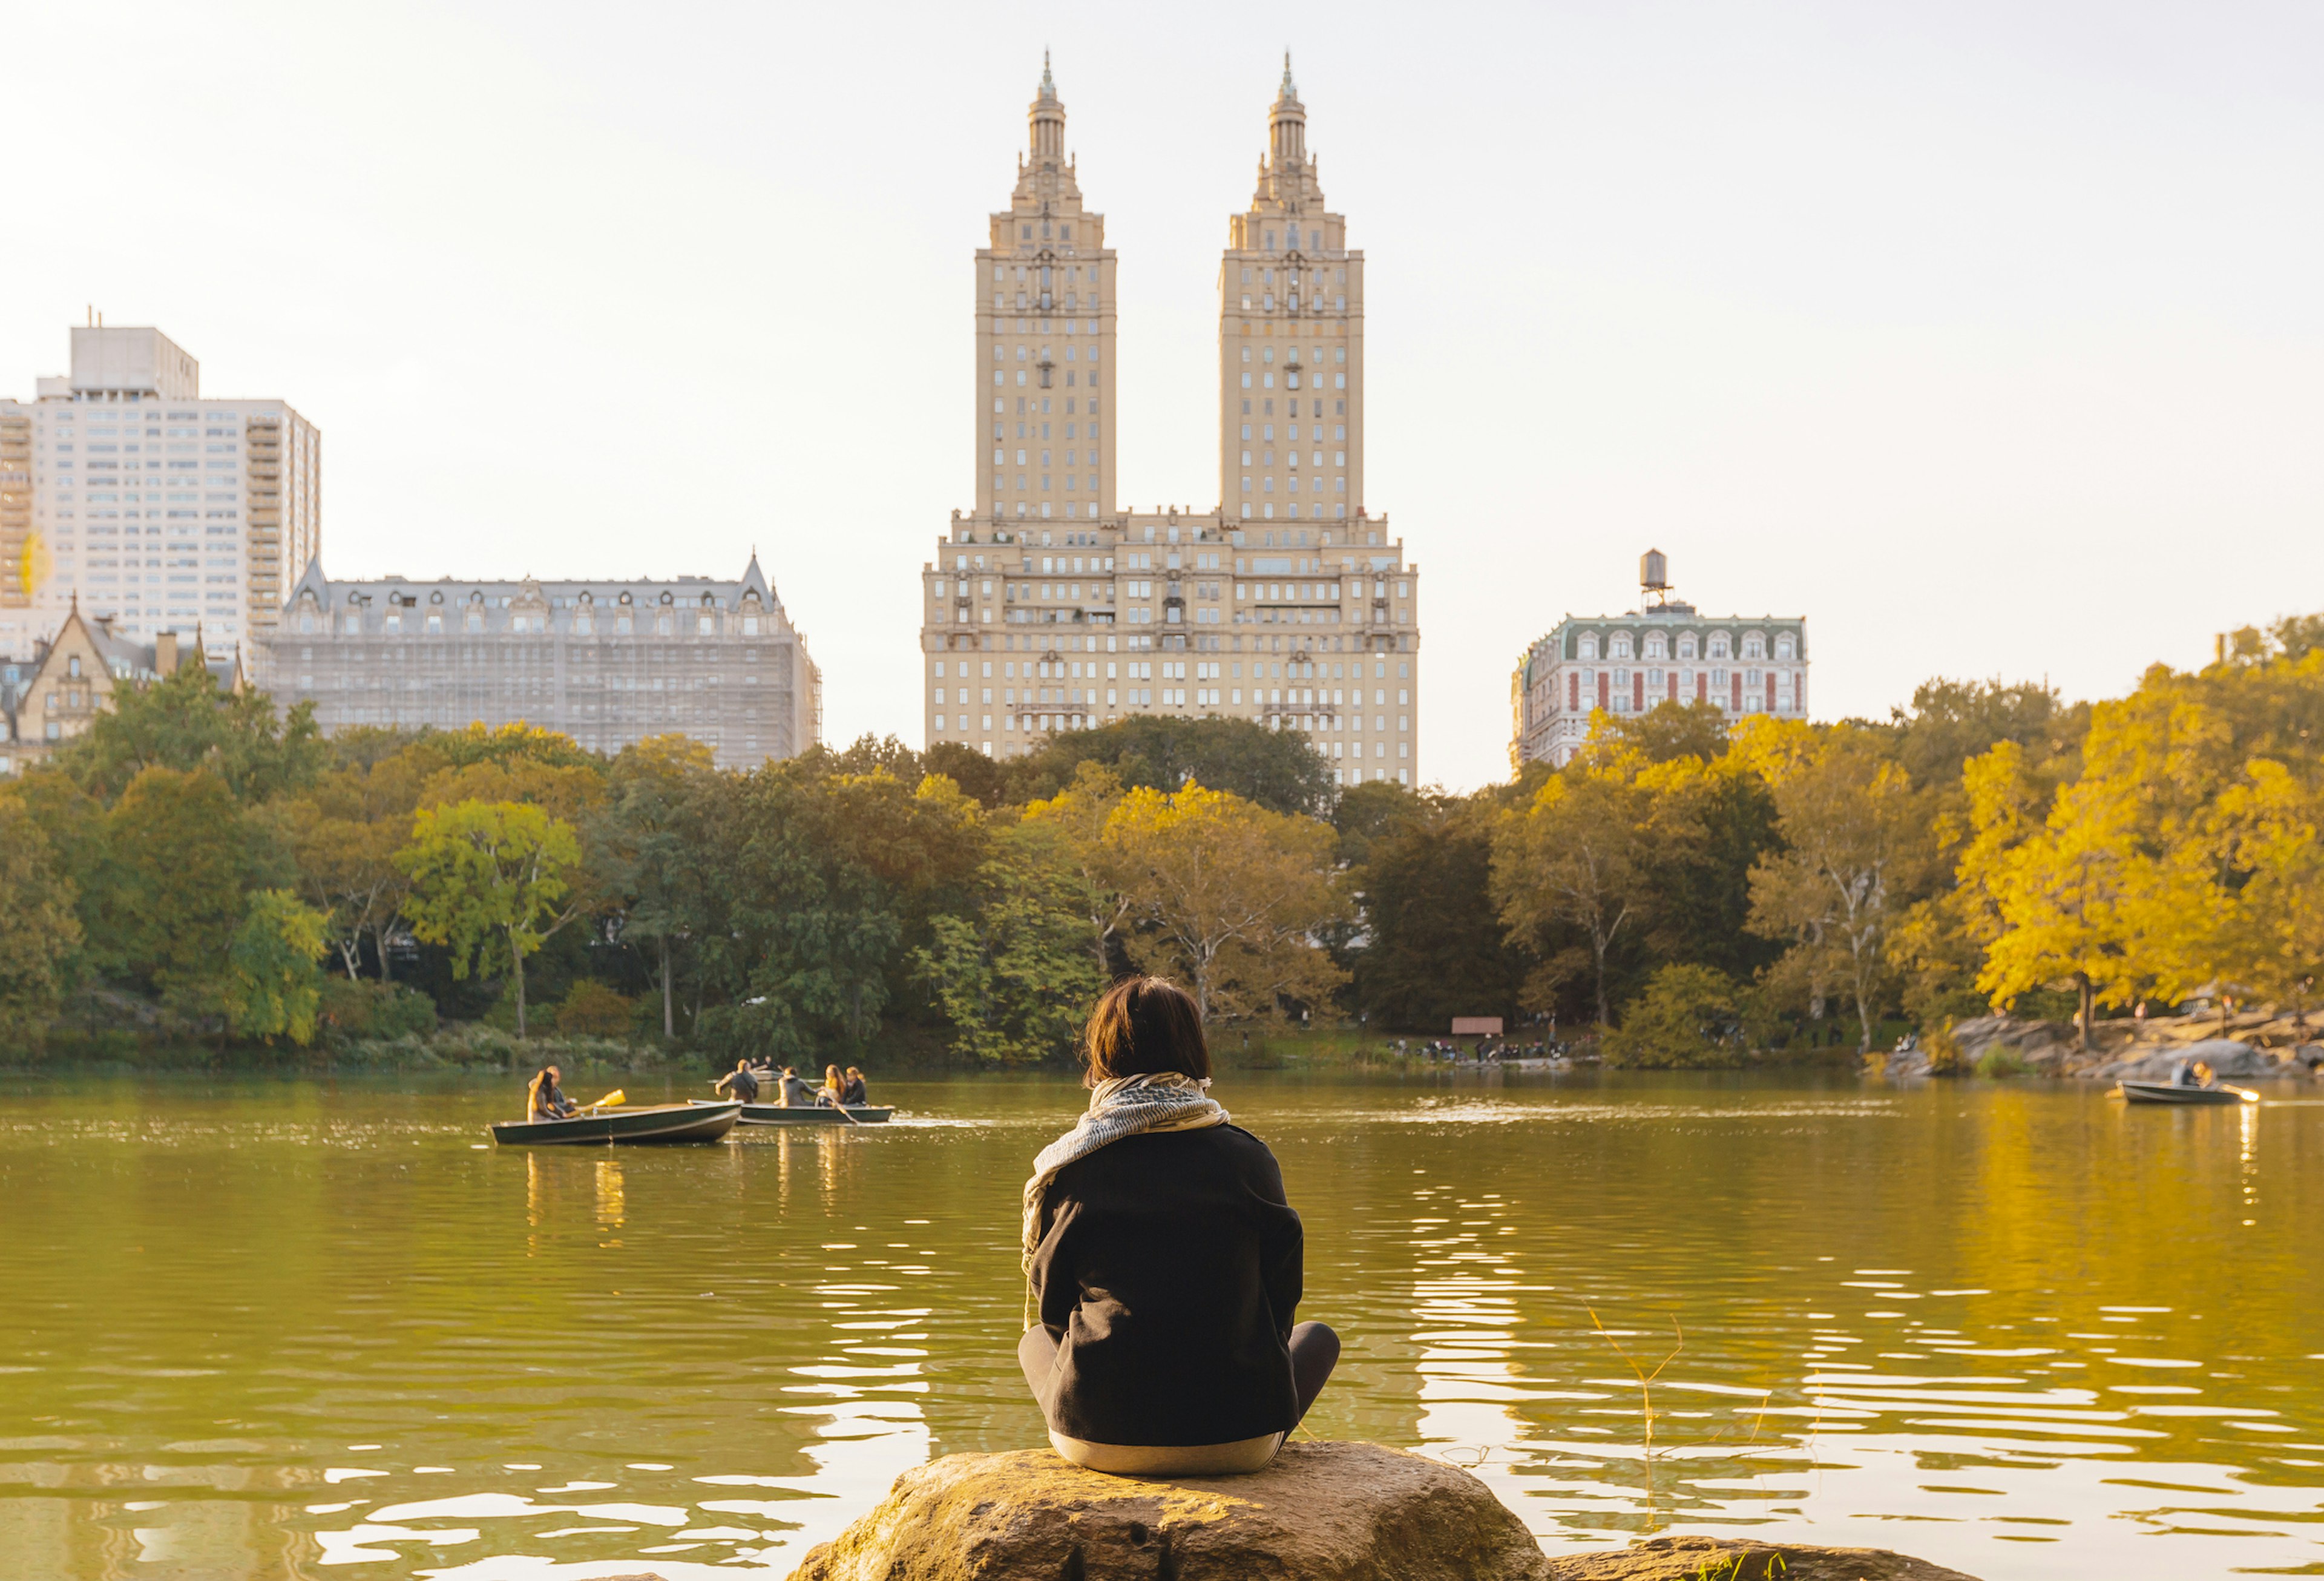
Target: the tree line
(1685, 892)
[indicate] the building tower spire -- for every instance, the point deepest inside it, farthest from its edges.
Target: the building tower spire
(1286, 125)
(1047, 120)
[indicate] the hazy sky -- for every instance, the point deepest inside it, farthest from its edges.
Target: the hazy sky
(1985, 337)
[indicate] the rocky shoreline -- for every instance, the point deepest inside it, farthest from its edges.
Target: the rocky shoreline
(2253, 1047)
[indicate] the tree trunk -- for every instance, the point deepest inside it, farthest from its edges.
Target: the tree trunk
(350, 955)
(379, 936)
(668, 1015)
(516, 968)
(1604, 1016)
(2082, 1014)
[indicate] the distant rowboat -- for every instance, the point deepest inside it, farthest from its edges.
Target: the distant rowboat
(805, 1113)
(663, 1122)
(2163, 1092)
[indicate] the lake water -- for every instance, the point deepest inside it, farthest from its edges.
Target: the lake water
(258, 1328)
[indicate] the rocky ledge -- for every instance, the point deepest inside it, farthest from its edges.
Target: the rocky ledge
(1322, 1512)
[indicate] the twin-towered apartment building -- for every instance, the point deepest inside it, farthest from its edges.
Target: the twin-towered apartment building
(1049, 609)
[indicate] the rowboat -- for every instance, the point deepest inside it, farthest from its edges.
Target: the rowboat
(803, 1114)
(2163, 1092)
(662, 1123)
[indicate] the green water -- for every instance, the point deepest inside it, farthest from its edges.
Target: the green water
(261, 1329)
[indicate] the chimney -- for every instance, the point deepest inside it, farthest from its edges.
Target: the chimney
(165, 653)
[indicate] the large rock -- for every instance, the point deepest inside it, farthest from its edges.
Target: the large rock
(1321, 1512)
(2229, 1059)
(1694, 1559)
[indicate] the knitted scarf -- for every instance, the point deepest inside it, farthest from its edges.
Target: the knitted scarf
(1128, 1106)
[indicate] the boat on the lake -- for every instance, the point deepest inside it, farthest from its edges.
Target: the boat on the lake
(2166, 1092)
(803, 1114)
(661, 1122)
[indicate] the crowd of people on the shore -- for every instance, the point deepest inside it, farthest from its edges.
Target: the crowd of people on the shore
(1486, 1051)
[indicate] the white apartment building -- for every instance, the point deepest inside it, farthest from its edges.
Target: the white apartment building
(1664, 651)
(126, 491)
(1290, 604)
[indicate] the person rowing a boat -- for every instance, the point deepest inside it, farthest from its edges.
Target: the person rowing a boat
(833, 1093)
(795, 1092)
(741, 1084)
(545, 1100)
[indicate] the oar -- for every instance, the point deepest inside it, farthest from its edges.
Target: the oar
(611, 1100)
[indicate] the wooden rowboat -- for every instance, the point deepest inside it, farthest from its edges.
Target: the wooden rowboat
(662, 1123)
(804, 1115)
(2163, 1092)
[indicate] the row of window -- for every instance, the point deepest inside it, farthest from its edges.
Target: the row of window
(1715, 646)
(1266, 381)
(352, 623)
(940, 588)
(1172, 696)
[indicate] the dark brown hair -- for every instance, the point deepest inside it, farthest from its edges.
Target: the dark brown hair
(1143, 1026)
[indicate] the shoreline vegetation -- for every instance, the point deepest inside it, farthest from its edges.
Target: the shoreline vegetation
(1988, 882)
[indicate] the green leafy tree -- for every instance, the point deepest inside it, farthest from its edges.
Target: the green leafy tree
(39, 935)
(173, 859)
(649, 840)
(184, 721)
(273, 988)
(1689, 1017)
(1433, 947)
(1015, 977)
(485, 879)
(1277, 769)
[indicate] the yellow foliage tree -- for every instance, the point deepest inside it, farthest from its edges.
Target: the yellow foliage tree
(1233, 894)
(1851, 845)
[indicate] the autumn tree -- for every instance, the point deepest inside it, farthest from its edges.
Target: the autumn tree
(1229, 896)
(1575, 859)
(1078, 814)
(1851, 847)
(486, 877)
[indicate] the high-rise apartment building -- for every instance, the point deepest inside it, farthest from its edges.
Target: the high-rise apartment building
(1049, 610)
(126, 491)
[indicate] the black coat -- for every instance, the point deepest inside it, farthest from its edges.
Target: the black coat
(1167, 1272)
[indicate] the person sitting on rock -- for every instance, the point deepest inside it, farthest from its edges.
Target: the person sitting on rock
(1164, 1263)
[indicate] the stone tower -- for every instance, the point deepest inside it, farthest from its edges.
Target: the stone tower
(1044, 417)
(1291, 341)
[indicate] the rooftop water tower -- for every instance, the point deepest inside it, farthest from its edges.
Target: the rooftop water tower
(1654, 575)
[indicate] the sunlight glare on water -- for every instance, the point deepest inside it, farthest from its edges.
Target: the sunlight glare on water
(258, 1327)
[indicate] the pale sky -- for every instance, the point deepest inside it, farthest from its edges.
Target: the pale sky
(1985, 336)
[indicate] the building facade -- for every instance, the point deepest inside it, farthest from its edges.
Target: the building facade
(56, 693)
(607, 663)
(1047, 609)
(125, 490)
(1665, 651)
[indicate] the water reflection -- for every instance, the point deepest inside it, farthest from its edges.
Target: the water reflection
(260, 1330)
